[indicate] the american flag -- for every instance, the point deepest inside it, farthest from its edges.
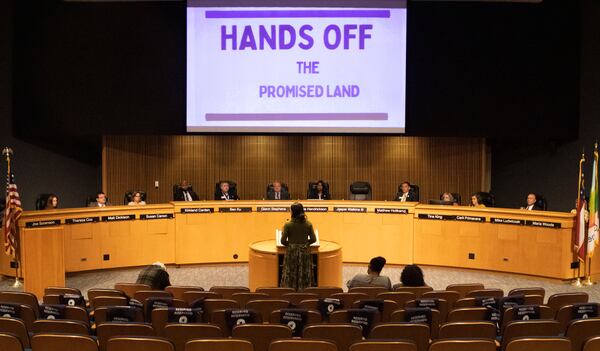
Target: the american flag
(12, 212)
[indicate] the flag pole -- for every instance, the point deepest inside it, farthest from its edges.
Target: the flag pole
(17, 284)
(577, 281)
(588, 281)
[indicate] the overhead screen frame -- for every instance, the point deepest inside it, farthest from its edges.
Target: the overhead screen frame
(366, 4)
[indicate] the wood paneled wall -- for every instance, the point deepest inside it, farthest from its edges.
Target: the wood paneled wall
(435, 164)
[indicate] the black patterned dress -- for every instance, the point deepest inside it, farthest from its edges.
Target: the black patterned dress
(297, 263)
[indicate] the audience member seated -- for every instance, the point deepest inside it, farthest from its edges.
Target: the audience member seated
(226, 192)
(319, 191)
(155, 275)
(406, 193)
(476, 200)
(412, 275)
(277, 191)
(184, 192)
(373, 277)
(532, 203)
(52, 202)
(101, 200)
(136, 199)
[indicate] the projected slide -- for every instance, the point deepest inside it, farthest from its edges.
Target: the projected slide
(296, 70)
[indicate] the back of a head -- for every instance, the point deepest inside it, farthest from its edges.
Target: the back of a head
(412, 275)
(376, 264)
(298, 212)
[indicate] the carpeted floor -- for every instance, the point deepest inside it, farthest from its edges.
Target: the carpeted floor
(237, 274)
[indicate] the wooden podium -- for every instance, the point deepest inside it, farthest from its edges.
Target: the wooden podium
(264, 261)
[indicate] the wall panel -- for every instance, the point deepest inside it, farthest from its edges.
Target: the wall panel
(435, 164)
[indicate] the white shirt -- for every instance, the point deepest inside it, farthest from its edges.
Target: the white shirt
(403, 197)
(277, 195)
(225, 196)
(187, 196)
(529, 208)
(101, 205)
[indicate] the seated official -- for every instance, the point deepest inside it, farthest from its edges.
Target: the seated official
(101, 200)
(412, 276)
(184, 192)
(532, 203)
(373, 277)
(476, 201)
(406, 194)
(225, 193)
(155, 275)
(319, 192)
(277, 192)
(52, 202)
(136, 199)
(448, 197)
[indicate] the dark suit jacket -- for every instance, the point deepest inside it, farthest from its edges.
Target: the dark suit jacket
(95, 204)
(315, 195)
(221, 196)
(284, 195)
(180, 197)
(411, 196)
(535, 207)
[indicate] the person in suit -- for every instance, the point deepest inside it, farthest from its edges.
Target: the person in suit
(476, 200)
(319, 192)
(184, 192)
(52, 202)
(277, 192)
(225, 194)
(136, 199)
(101, 200)
(532, 203)
(298, 234)
(373, 276)
(406, 194)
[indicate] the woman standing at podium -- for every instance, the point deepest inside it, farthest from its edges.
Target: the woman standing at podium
(298, 235)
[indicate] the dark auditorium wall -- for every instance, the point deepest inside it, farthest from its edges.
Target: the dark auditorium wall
(435, 164)
(38, 169)
(547, 166)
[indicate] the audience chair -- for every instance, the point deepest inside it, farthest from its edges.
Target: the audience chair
(324, 291)
(139, 344)
(302, 345)
(219, 345)
(245, 297)
(468, 330)
(399, 297)
(297, 297)
(15, 327)
(371, 345)
(557, 301)
(93, 293)
(100, 314)
(261, 335)
(471, 301)
(178, 290)
(398, 316)
(211, 305)
(312, 304)
(417, 290)
(463, 345)
(592, 344)
(497, 293)
(534, 344)
(464, 289)
(450, 296)
(275, 292)
(343, 335)
(581, 330)
(60, 326)
(528, 291)
(565, 316)
(191, 296)
(22, 298)
(106, 301)
(142, 295)
(10, 342)
(312, 317)
(360, 191)
(508, 315)
(129, 289)
(58, 290)
(442, 307)
(180, 334)
(417, 333)
(389, 307)
(266, 307)
(109, 330)
(27, 315)
(217, 318)
(371, 291)
(348, 299)
(468, 314)
(228, 291)
(60, 342)
(342, 316)
(531, 328)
